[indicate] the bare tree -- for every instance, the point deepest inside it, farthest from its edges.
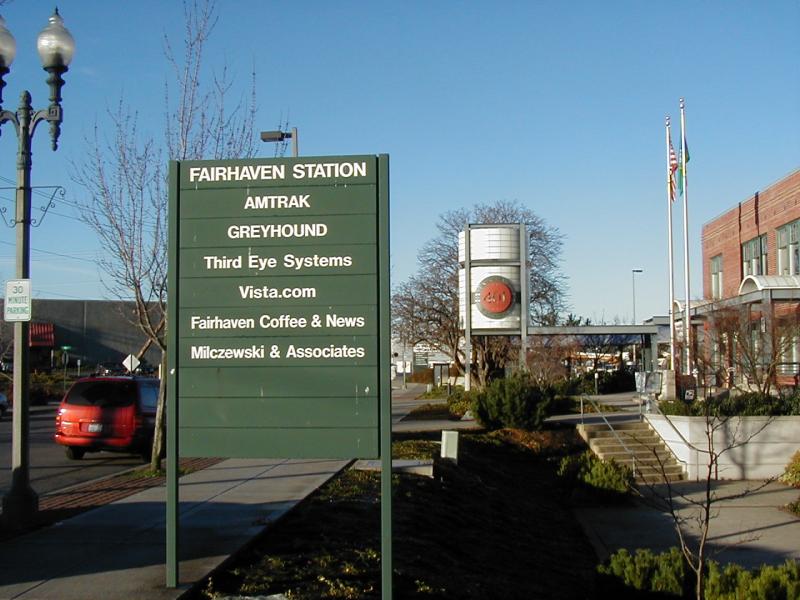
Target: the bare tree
(753, 343)
(410, 319)
(124, 175)
(601, 344)
(547, 355)
(693, 514)
(758, 345)
(433, 290)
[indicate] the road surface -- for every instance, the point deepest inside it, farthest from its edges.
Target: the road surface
(50, 469)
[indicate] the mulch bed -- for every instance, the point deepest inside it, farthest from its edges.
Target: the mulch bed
(495, 526)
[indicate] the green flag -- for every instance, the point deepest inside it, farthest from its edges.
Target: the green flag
(682, 164)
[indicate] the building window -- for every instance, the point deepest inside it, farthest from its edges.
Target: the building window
(789, 348)
(754, 256)
(789, 249)
(716, 277)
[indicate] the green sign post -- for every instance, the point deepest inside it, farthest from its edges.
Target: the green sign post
(278, 316)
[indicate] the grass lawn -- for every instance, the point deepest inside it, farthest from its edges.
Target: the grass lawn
(495, 526)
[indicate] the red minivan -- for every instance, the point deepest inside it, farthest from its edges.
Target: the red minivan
(108, 413)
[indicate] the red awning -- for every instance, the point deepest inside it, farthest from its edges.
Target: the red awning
(41, 335)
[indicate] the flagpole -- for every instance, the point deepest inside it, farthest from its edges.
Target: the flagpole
(670, 199)
(687, 322)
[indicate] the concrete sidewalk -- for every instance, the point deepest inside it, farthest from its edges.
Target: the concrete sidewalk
(118, 551)
(405, 400)
(749, 528)
(749, 525)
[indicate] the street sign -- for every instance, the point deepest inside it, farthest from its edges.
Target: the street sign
(277, 343)
(18, 300)
(131, 363)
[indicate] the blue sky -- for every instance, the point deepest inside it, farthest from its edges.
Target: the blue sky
(559, 105)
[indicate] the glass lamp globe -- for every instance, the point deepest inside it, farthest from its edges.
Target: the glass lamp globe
(8, 45)
(55, 43)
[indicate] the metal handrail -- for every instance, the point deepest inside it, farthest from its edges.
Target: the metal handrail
(654, 407)
(602, 416)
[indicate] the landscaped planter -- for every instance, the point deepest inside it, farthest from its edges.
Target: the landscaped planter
(770, 444)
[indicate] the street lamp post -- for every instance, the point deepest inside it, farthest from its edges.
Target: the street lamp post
(56, 47)
(280, 136)
(633, 287)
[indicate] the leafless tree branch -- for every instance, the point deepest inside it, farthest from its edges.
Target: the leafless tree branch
(125, 178)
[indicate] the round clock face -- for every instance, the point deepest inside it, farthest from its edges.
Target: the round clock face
(495, 297)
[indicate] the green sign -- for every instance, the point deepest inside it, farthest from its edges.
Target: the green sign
(278, 318)
(279, 306)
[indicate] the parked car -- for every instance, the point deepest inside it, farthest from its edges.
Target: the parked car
(4, 405)
(108, 413)
(146, 369)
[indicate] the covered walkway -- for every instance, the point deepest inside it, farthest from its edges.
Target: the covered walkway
(648, 333)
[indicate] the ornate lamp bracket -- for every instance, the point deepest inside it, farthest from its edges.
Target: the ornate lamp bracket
(57, 190)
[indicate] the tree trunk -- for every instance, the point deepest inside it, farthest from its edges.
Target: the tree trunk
(700, 588)
(158, 434)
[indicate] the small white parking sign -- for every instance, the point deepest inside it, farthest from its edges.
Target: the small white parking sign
(18, 300)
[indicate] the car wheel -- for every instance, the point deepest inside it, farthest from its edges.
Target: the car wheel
(74, 453)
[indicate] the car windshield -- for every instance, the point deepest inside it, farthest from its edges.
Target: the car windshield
(102, 393)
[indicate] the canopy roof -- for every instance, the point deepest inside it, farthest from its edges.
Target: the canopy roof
(758, 283)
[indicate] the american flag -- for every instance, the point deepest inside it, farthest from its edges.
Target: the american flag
(673, 166)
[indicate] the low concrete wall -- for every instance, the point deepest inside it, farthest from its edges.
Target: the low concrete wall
(770, 444)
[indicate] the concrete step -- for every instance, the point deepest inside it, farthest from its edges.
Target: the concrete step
(625, 434)
(618, 426)
(630, 442)
(657, 479)
(613, 450)
(653, 459)
(619, 454)
(652, 472)
(652, 467)
(634, 446)
(655, 471)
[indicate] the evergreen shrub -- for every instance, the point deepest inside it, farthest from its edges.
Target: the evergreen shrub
(43, 387)
(676, 408)
(572, 386)
(459, 401)
(791, 476)
(748, 404)
(516, 402)
(666, 575)
(608, 478)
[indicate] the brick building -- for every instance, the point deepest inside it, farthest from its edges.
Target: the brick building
(760, 236)
(751, 275)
